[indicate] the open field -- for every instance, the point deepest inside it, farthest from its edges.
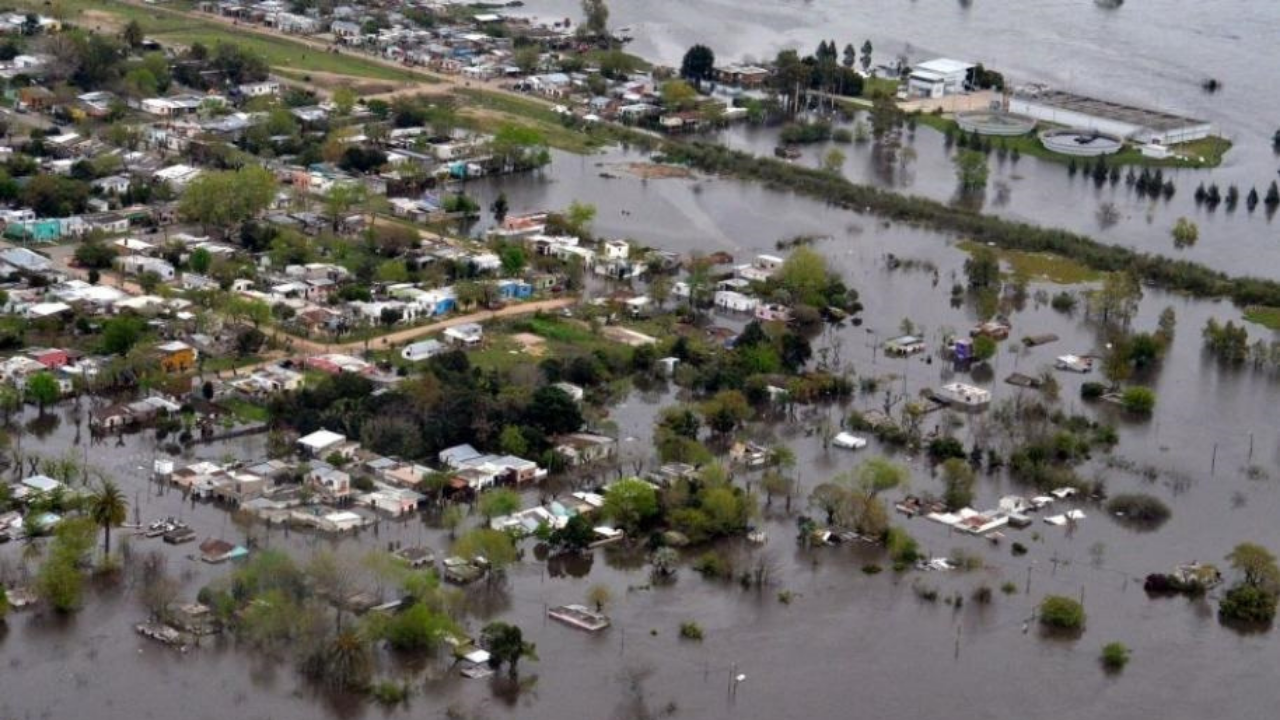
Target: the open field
(1268, 317)
(169, 24)
(1045, 267)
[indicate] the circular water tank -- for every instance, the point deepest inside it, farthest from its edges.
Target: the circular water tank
(1081, 143)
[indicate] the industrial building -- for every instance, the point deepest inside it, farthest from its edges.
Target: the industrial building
(936, 78)
(1085, 113)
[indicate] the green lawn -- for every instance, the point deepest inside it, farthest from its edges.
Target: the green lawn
(166, 24)
(245, 411)
(1268, 317)
(501, 109)
(1045, 267)
(295, 57)
(1205, 153)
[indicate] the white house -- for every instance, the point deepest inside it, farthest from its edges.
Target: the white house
(260, 89)
(177, 175)
(321, 442)
(422, 350)
(964, 395)
(735, 301)
(467, 334)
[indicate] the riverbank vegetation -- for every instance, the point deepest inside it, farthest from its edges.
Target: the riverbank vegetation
(1178, 275)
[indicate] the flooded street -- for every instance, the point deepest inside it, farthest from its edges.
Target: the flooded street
(848, 644)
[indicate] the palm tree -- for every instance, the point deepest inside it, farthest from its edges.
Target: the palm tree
(108, 507)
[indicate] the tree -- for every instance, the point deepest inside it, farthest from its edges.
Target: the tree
(498, 502)
(494, 546)
(499, 207)
(631, 503)
(596, 17)
(1117, 301)
(958, 479)
(833, 161)
(43, 389)
(506, 643)
(59, 581)
(93, 253)
(1061, 613)
(513, 259)
(121, 333)
(344, 663)
(678, 95)
(727, 410)
(1185, 232)
(200, 261)
(451, 518)
(698, 64)
(527, 59)
(866, 56)
(850, 56)
(576, 535)
(553, 412)
(971, 171)
(132, 34)
(108, 508)
(880, 474)
(149, 280)
(804, 273)
(344, 100)
(513, 442)
(227, 198)
(984, 348)
(1258, 565)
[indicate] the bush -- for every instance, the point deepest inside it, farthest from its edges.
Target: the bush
(1064, 302)
(982, 594)
(1009, 587)
(1061, 613)
(1138, 510)
(1092, 390)
(1139, 400)
(901, 546)
(872, 569)
(713, 565)
(1018, 549)
(1248, 604)
(691, 631)
(1115, 656)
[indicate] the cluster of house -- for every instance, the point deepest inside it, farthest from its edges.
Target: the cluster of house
(735, 294)
(26, 518)
(1012, 511)
(336, 486)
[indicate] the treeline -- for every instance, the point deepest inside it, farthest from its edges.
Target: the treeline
(1180, 275)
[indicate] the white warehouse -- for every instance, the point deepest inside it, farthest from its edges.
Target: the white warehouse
(936, 78)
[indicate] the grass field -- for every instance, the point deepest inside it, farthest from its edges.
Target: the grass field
(1268, 317)
(1044, 267)
(284, 53)
(497, 109)
(1205, 153)
(109, 17)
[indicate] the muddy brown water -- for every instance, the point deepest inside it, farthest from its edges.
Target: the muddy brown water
(849, 644)
(847, 640)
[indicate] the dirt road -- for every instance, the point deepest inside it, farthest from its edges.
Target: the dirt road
(401, 337)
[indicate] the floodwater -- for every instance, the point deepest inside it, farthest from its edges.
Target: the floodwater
(1152, 54)
(849, 643)
(846, 637)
